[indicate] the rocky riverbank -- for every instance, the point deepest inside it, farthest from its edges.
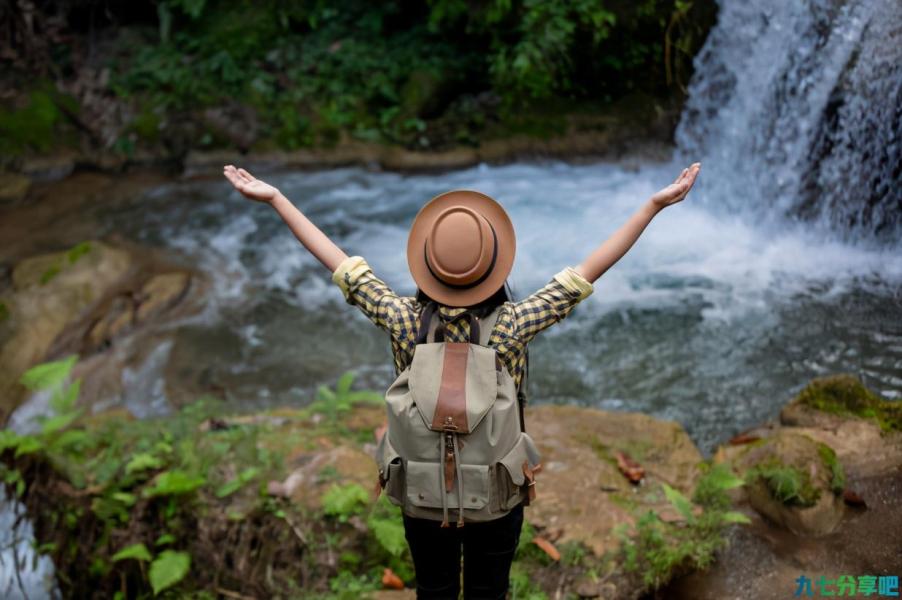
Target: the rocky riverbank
(279, 503)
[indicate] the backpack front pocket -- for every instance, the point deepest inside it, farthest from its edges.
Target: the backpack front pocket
(425, 482)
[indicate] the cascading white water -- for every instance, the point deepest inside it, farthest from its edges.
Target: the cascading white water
(796, 107)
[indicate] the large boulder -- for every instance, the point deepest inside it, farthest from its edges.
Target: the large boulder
(864, 429)
(48, 292)
(81, 301)
(793, 480)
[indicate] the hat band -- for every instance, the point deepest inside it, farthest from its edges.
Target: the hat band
(482, 277)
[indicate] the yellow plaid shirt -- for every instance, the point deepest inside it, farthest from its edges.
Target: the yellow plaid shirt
(517, 324)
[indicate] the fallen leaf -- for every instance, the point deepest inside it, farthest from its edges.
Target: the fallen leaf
(547, 547)
(743, 438)
(391, 581)
(853, 499)
(630, 468)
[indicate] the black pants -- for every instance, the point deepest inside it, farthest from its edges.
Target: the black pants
(488, 551)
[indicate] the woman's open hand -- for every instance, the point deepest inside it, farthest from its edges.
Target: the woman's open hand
(677, 190)
(250, 186)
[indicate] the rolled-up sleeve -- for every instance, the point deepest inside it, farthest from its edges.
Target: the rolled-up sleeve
(550, 304)
(361, 288)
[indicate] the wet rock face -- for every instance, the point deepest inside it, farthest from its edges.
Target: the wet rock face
(81, 301)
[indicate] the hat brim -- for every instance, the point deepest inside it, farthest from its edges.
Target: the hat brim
(495, 214)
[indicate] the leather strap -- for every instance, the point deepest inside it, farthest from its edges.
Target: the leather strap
(451, 405)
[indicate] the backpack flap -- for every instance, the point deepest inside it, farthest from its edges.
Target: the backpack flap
(524, 451)
(464, 393)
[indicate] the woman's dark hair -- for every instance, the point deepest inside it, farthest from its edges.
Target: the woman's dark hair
(504, 294)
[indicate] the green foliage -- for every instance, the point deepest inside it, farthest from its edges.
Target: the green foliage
(526, 549)
(141, 461)
(137, 551)
(387, 527)
(786, 483)
(837, 474)
(522, 586)
(316, 72)
(679, 502)
(31, 127)
(348, 586)
(846, 395)
(709, 491)
(48, 375)
(168, 569)
(345, 501)
(334, 403)
(229, 488)
(172, 483)
(658, 549)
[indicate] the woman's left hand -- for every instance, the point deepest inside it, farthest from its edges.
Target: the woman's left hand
(677, 190)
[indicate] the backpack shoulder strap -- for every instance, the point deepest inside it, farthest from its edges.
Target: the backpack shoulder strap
(486, 325)
(428, 325)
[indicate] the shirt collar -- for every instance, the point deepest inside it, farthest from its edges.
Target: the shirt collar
(448, 313)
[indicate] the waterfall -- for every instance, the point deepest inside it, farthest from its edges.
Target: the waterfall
(798, 106)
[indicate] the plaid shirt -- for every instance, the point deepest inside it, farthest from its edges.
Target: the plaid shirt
(517, 324)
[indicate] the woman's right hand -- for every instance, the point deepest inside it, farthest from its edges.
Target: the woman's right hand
(249, 186)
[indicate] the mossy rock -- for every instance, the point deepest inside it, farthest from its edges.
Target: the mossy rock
(795, 482)
(841, 396)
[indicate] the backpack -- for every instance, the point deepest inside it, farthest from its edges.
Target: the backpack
(455, 442)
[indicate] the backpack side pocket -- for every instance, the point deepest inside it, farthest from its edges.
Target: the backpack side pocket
(511, 486)
(395, 488)
(391, 471)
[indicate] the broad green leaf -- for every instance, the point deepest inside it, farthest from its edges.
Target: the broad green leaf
(136, 551)
(171, 483)
(168, 569)
(72, 439)
(679, 501)
(324, 393)
(722, 477)
(344, 383)
(345, 501)
(8, 439)
(166, 538)
(390, 534)
(236, 484)
(28, 444)
(142, 461)
(63, 400)
(735, 517)
(48, 375)
(58, 422)
(124, 498)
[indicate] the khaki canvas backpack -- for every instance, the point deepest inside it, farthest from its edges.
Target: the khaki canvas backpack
(455, 442)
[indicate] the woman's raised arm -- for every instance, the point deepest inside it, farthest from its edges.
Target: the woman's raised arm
(317, 242)
(613, 248)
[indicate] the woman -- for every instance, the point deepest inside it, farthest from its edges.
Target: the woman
(460, 252)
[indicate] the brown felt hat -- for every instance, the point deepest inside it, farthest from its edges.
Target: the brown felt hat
(461, 248)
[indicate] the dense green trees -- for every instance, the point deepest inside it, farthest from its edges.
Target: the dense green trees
(383, 71)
